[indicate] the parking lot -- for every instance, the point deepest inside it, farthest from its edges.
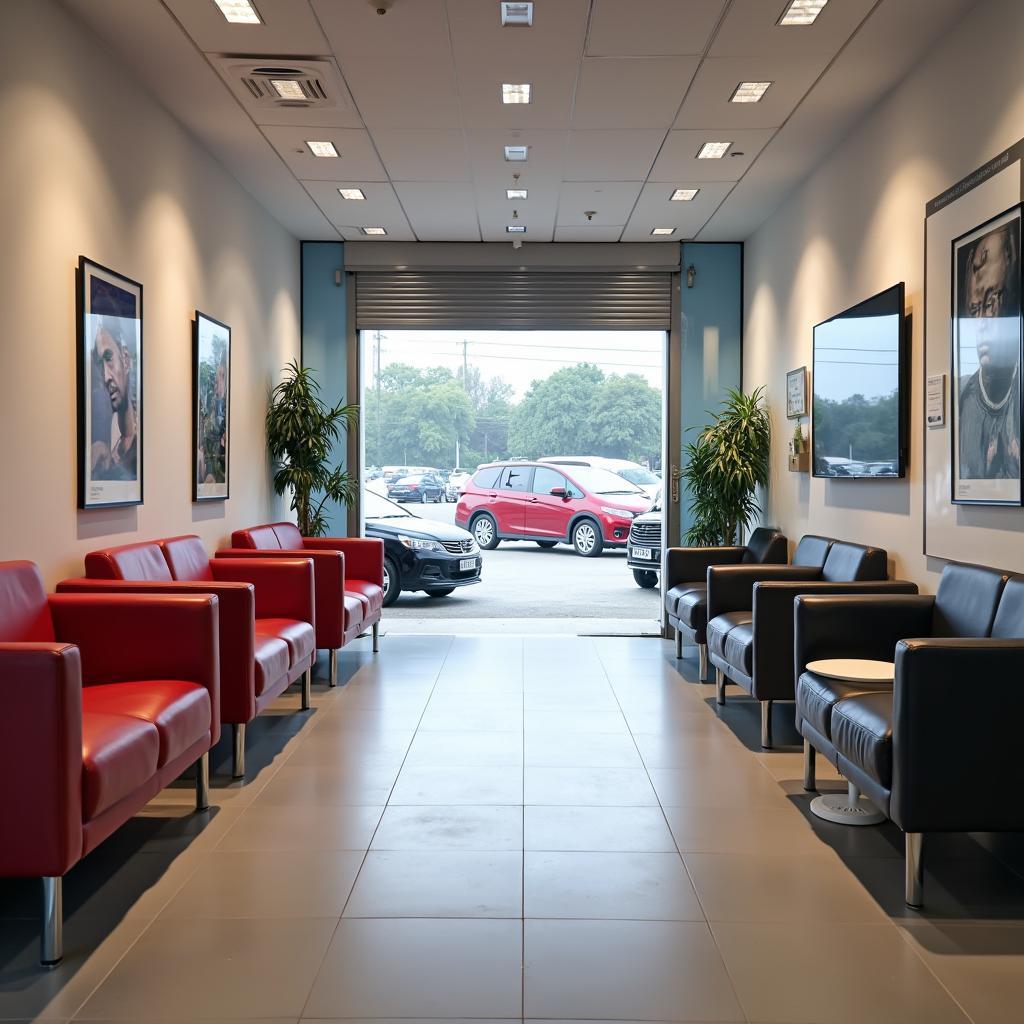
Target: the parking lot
(522, 580)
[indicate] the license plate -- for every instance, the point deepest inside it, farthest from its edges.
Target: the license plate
(466, 564)
(644, 554)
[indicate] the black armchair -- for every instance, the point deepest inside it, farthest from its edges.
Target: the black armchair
(924, 749)
(750, 615)
(686, 571)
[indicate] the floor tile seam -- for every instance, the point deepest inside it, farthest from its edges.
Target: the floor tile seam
(366, 852)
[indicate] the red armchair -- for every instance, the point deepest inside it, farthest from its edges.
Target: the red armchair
(347, 604)
(106, 700)
(266, 621)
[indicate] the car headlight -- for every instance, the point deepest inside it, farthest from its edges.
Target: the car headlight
(419, 544)
(622, 513)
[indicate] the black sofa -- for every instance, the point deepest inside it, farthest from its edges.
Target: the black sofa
(938, 750)
(686, 584)
(750, 613)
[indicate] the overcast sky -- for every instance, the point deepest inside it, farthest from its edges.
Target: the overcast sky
(520, 357)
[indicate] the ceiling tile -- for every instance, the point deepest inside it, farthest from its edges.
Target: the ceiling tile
(357, 160)
(288, 28)
(622, 155)
(380, 208)
(354, 29)
(654, 209)
(631, 92)
(678, 159)
(556, 36)
(487, 155)
(707, 102)
(411, 92)
(413, 154)
(652, 28)
(610, 201)
(750, 29)
(552, 86)
(587, 233)
(440, 211)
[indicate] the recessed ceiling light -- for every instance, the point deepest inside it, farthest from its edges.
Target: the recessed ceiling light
(684, 195)
(287, 88)
(239, 12)
(517, 152)
(373, 231)
(516, 193)
(663, 231)
(351, 193)
(713, 150)
(512, 93)
(802, 12)
(322, 148)
(749, 92)
(516, 229)
(516, 14)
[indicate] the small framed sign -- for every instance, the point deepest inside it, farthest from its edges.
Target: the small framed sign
(936, 394)
(796, 393)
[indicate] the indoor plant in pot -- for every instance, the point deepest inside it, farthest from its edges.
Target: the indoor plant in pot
(726, 465)
(301, 433)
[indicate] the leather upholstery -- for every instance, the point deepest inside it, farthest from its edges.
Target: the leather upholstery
(288, 536)
(24, 611)
(186, 558)
(143, 561)
(817, 695)
(354, 612)
(862, 731)
(812, 551)
(692, 607)
(372, 592)
(273, 661)
(298, 636)
(846, 562)
(965, 603)
(119, 755)
(739, 642)
(721, 626)
(1009, 620)
(767, 546)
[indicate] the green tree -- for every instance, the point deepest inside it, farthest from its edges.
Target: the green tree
(625, 420)
(554, 413)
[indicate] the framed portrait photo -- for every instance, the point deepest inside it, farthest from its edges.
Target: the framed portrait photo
(796, 393)
(211, 408)
(109, 362)
(986, 363)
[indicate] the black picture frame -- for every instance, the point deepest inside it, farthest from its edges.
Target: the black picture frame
(211, 426)
(997, 489)
(109, 361)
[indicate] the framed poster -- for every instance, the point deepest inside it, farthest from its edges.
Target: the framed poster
(986, 362)
(109, 387)
(211, 408)
(796, 393)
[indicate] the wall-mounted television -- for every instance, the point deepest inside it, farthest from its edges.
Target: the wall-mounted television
(859, 399)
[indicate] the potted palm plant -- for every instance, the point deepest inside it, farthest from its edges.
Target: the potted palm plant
(727, 463)
(301, 433)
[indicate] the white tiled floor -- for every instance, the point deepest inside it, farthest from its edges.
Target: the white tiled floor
(518, 828)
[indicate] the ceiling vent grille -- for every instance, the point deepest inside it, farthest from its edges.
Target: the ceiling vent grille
(267, 85)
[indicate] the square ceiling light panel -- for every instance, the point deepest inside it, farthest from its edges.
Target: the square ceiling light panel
(520, 14)
(802, 12)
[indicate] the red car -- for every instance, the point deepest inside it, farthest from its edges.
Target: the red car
(579, 505)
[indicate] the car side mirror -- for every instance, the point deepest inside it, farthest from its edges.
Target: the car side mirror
(559, 492)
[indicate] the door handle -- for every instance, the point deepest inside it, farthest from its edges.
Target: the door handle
(677, 475)
(534, 499)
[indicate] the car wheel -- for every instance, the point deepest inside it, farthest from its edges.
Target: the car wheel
(645, 578)
(392, 583)
(485, 532)
(423, 498)
(441, 592)
(587, 539)
(546, 543)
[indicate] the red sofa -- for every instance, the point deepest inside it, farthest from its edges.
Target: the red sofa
(106, 700)
(346, 605)
(266, 616)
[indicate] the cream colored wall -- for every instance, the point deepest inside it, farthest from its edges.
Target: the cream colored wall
(91, 164)
(855, 227)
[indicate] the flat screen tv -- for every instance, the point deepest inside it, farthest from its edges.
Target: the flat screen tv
(859, 398)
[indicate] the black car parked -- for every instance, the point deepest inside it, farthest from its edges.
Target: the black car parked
(421, 487)
(643, 549)
(420, 554)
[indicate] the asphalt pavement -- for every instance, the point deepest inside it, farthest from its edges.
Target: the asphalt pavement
(523, 581)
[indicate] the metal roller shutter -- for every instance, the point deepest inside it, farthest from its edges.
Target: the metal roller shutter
(496, 300)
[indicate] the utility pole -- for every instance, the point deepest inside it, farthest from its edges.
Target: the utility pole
(465, 365)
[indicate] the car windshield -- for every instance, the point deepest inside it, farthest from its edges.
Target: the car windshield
(637, 475)
(410, 479)
(376, 507)
(600, 481)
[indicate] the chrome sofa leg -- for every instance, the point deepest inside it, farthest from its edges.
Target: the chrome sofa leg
(702, 653)
(719, 686)
(307, 689)
(810, 782)
(376, 637)
(203, 782)
(915, 869)
(238, 750)
(679, 644)
(333, 681)
(52, 938)
(766, 724)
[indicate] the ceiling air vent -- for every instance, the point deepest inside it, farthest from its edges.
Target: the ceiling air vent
(285, 86)
(265, 86)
